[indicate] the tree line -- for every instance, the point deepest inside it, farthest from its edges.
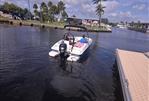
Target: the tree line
(15, 10)
(45, 12)
(50, 12)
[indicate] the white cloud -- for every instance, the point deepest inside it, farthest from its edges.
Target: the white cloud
(88, 7)
(125, 14)
(122, 16)
(111, 5)
(75, 2)
(113, 14)
(139, 6)
(72, 2)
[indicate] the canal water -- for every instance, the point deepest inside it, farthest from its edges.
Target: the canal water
(27, 73)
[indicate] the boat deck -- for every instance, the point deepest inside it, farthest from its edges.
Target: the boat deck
(134, 74)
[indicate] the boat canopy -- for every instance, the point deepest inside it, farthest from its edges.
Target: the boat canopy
(76, 26)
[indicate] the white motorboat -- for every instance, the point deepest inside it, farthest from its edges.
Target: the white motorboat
(75, 48)
(147, 30)
(122, 26)
(109, 28)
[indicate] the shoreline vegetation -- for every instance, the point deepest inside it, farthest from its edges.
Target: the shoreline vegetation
(49, 14)
(138, 29)
(56, 25)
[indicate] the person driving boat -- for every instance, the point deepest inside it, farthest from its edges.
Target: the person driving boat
(83, 39)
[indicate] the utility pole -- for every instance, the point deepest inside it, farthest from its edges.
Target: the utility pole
(29, 9)
(100, 14)
(41, 12)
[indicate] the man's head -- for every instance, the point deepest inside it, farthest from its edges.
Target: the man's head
(83, 36)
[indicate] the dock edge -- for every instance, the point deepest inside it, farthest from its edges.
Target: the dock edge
(123, 79)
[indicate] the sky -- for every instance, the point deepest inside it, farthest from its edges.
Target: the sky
(115, 11)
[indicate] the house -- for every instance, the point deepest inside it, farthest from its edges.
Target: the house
(94, 22)
(74, 21)
(9, 16)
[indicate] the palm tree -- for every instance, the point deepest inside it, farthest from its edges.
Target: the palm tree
(26, 13)
(96, 1)
(50, 15)
(99, 9)
(55, 10)
(44, 11)
(61, 8)
(35, 6)
(100, 12)
(52, 12)
(64, 14)
(50, 4)
(43, 5)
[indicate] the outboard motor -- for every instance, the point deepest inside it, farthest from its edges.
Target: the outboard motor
(63, 55)
(62, 47)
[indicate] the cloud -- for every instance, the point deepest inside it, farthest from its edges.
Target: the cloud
(111, 5)
(113, 14)
(76, 2)
(88, 7)
(139, 6)
(125, 14)
(121, 14)
(81, 8)
(67, 6)
(72, 2)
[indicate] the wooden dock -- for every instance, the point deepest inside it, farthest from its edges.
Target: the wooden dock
(134, 74)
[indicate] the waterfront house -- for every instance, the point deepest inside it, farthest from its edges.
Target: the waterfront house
(9, 16)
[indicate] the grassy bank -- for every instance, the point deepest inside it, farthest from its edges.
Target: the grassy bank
(38, 23)
(59, 25)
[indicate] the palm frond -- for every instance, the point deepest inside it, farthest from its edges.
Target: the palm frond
(100, 10)
(97, 1)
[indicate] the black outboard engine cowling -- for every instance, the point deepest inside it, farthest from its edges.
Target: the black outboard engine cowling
(62, 48)
(63, 55)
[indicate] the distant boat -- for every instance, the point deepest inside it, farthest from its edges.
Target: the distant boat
(122, 26)
(109, 28)
(147, 30)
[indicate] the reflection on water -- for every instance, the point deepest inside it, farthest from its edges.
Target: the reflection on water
(72, 80)
(27, 73)
(117, 85)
